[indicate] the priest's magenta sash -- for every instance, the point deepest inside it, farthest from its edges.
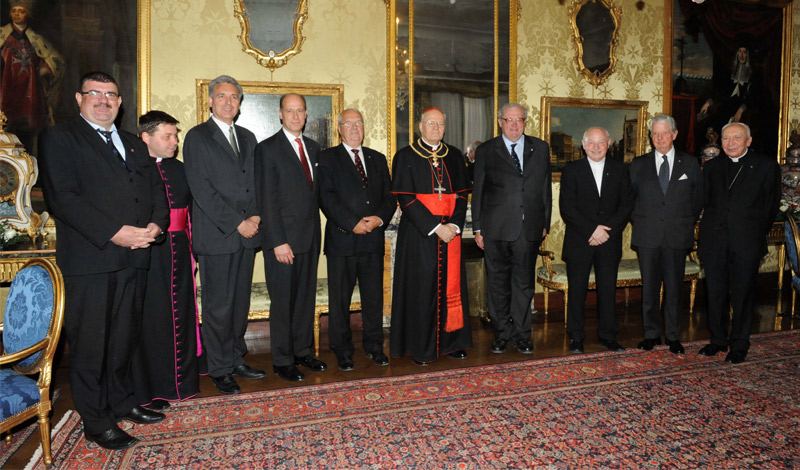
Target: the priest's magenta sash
(444, 205)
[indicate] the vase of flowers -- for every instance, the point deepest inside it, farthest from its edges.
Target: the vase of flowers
(10, 236)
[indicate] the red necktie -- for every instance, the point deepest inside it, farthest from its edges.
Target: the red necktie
(360, 167)
(304, 161)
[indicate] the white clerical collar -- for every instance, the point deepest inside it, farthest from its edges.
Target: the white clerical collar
(595, 164)
(158, 159)
(430, 145)
(736, 160)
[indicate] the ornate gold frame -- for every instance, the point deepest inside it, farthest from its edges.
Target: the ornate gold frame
(271, 59)
(515, 13)
(143, 56)
(786, 71)
(548, 102)
(595, 78)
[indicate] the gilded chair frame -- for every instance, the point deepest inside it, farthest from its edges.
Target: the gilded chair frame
(796, 236)
(43, 365)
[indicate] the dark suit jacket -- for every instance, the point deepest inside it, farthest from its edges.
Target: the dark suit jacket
(583, 209)
(289, 208)
(222, 186)
(744, 213)
(91, 195)
(666, 220)
(345, 200)
(501, 196)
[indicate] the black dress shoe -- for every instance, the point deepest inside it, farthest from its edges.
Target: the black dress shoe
(140, 415)
(675, 347)
(157, 405)
(460, 354)
(612, 345)
(735, 357)
(346, 364)
(112, 439)
(311, 363)
(420, 363)
(711, 349)
(246, 372)
(648, 344)
(499, 346)
(226, 384)
(575, 346)
(379, 358)
(524, 346)
(290, 373)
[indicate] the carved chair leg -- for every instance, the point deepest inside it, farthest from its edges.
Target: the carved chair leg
(566, 304)
(661, 297)
(692, 292)
(627, 295)
(794, 293)
(546, 297)
(317, 314)
(8, 437)
(44, 430)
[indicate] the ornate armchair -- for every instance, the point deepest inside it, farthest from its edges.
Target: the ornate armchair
(792, 240)
(32, 324)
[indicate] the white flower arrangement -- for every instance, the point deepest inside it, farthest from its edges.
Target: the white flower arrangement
(9, 235)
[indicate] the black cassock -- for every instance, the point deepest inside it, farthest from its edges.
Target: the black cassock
(426, 321)
(165, 365)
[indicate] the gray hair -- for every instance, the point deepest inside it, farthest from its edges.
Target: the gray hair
(663, 118)
(225, 79)
(339, 120)
(746, 127)
(422, 116)
(608, 136)
(506, 106)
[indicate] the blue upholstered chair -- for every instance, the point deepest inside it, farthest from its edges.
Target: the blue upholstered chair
(31, 326)
(792, 241)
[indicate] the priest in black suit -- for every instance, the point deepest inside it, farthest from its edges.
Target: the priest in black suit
(595, 202)
(287, 189)
(356, 198)
(218, 159)
(668, 194)
(109, 206)
(511, 206)
(742, 196)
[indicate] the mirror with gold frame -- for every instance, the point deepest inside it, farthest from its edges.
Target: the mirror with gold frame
(275, 33)
(458, 56)
(595, 32)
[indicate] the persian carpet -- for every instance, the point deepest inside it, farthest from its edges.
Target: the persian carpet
(634, 409)
(22, 435)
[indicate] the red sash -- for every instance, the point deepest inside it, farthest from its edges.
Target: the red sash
(178, 219)
(445, 207)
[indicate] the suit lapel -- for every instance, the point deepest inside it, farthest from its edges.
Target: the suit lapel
(222, 140)
(103, 153)
(502, 151)
(527, 154)
(347, 162)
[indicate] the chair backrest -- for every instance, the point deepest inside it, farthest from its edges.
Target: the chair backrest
(34, 312)
(790, 231)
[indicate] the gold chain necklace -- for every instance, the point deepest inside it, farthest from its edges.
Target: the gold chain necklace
(434, 155)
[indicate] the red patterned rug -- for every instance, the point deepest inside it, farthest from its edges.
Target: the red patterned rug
(636, 409)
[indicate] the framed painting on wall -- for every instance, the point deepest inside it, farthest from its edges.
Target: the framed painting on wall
(729, 62)
(260, 104)
(564, 120)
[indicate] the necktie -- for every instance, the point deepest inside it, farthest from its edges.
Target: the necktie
(663, 175)
(304, 161)
(114, 150)
(360, 168)
(515, 158)
(232, 139)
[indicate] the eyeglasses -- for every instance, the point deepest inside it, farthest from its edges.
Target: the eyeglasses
(434, 123)
(112, 95)
(356, 124)
(510, 120)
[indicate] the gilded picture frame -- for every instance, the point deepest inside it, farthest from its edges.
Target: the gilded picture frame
(271, 58)
(259, 109)
(593, 36)
(564, 120)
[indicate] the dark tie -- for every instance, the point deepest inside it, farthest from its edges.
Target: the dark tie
(304, 161)
(663, 175)
(360, 168)
(515, 158)
(107, 135)
(232, 139)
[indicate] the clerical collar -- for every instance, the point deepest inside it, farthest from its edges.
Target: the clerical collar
(421, 148)
(429, 146)
(158, 159)
(736, 160)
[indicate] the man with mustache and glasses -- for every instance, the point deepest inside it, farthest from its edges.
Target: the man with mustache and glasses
(109, 206)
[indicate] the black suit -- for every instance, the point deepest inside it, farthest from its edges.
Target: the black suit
(92, 195)
(663, 234)
(289, 209)
(223, 191)
(345, 200)
(511, 210)
(739, 211)
(583, 210)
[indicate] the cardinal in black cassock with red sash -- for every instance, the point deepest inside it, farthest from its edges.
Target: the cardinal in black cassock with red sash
(430, 309)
